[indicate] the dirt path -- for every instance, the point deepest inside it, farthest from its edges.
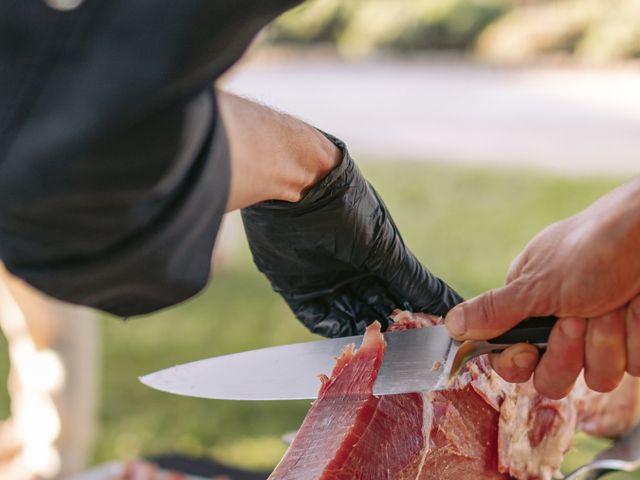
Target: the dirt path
(578, 121)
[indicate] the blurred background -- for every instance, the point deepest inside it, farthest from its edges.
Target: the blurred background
(479, 122)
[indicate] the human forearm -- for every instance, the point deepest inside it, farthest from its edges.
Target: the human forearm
(273, 155)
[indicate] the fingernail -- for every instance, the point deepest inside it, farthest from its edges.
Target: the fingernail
(524, 360)
(456, 323)
(573, 328)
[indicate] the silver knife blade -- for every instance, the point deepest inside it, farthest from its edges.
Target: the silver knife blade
(626, 448)
(414, 361)
(622, 456)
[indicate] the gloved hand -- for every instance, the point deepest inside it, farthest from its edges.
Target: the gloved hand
(337, 258)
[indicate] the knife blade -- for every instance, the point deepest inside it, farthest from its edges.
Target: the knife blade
(417, 360)
(622, 456)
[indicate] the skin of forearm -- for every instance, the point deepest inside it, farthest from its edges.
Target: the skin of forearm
(274, 156)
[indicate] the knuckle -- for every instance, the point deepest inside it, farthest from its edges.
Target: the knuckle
(572, 329)
(533, 291)
(488, 307)
(606, 332)
(516, 266)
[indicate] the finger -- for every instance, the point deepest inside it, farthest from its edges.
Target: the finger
(564, 359)
(516, 266)
(492, 313)
(516, 363)
(632, 324)
(605, 354)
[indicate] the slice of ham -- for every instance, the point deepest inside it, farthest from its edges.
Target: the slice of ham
(482, 428)
(339, 418)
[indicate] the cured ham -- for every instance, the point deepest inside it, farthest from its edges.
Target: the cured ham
(324, 445)
(482, 428)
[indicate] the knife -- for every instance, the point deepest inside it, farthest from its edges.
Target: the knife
(417, 360)
(623, 456)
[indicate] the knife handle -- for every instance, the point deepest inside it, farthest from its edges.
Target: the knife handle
(534, 330)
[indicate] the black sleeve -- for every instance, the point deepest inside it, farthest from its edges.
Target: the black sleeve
(114, 168)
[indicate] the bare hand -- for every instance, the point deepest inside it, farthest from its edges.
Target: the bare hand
(585, 270)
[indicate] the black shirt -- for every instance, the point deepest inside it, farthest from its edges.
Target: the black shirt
(114, 167)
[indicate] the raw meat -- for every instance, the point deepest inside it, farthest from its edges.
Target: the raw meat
(610, 415)
(325, 444)
(482, 428)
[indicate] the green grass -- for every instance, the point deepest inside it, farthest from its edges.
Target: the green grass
(465, 224)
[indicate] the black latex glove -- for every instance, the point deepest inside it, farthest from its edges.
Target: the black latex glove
(337, 258)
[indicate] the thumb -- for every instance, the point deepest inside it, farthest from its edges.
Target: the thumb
(490, 314)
